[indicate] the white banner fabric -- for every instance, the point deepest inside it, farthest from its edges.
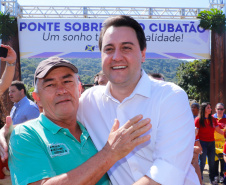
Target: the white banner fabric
(78, 38)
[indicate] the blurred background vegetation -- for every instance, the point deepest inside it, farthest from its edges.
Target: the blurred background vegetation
(89, 67)
(193, 76)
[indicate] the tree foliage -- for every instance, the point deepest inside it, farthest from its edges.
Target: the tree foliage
(194, 78)
(8, 27)
(212, 19)
(29, 90)
(88, 68)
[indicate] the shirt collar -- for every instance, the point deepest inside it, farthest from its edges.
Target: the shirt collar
(48, 124)
(143, 87)
(52, 127)
(215, 115)
(84, 131)
(22, 101)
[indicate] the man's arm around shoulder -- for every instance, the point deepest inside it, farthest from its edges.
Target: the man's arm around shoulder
(120, 142)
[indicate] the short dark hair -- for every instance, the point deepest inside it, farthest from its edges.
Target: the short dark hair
(19, 85)
(196, 105)
(156, 75)
(123, 20)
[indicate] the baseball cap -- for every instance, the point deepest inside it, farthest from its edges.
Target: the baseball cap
(46, 65)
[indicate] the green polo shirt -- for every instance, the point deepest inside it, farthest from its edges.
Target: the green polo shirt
(40, 149)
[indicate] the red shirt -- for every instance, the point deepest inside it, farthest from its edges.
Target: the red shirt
(221, 122)
(206, 133)
(224, 151)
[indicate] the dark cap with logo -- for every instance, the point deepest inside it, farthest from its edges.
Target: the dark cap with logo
(46, 65)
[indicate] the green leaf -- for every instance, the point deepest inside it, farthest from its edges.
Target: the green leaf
(8, 26)
(213, 19)
(194, 78)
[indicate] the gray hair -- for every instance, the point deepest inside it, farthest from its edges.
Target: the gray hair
(219, 104)
(36, 86)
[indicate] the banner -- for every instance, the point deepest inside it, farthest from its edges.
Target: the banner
(78, 38)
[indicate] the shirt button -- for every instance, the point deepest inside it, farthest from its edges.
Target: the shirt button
(65, 133)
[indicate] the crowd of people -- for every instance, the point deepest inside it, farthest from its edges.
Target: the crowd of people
(130, 128)
(210, 138)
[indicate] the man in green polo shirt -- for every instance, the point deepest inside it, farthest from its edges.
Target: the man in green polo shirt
(55, 148)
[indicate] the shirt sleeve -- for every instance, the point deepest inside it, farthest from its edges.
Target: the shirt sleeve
(197, 124)
(215, 123)
(175, 137)
(28, 162)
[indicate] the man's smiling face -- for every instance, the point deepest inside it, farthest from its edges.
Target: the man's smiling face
(121, 56)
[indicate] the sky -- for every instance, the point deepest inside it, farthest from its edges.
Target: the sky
(128, 3)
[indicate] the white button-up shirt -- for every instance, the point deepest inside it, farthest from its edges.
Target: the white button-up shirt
(166, 158)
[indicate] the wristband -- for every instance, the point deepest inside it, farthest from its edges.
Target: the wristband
(8, 64)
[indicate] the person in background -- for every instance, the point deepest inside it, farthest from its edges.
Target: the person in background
(5, 82)
(157, 76)
(219, 143)
(23, 108)
(195, 159)
(195, 109)
(224, 157)
(96, 77)
(197, 147)
(100, 79)
(9, 71)
(6, 79)
(206, 125)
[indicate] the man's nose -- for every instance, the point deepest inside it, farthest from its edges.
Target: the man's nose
(117, 55)
(61, 89)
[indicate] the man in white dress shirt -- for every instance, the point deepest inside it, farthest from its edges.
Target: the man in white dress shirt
(166, 159)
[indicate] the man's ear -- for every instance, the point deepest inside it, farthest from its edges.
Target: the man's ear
(36, 96)
(143, 54)
(80, 89)
(22, 91)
